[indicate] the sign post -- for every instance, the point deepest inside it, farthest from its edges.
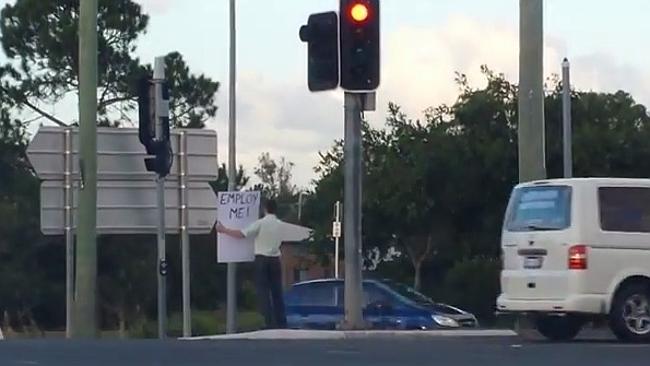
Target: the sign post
(336, 233)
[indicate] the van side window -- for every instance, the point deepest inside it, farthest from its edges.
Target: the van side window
(624, 209)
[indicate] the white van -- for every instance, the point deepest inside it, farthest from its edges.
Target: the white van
(578, 250)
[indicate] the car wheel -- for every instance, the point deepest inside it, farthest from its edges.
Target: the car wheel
(559, 328)
(630, 313)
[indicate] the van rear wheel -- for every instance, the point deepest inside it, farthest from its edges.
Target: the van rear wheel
(630, 314)
(559, 328)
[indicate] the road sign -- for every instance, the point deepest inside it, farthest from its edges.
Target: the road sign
(336, 229)
(120, 155)
(129, 207)
(126, 191)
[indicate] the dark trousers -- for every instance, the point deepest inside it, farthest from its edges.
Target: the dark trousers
(268, 283)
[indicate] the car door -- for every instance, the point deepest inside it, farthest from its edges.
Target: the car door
(318, 306)
(379, 307)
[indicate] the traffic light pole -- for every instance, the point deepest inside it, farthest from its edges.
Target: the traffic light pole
(84, 323)
(231, 282)
(352, 211)
(160, 108)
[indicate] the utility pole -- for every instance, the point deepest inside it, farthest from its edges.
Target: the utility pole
(231, 293)
(352, 211)
(300, 206)
(566, 119)
(161, 111)
(532, 154)
(84, 324)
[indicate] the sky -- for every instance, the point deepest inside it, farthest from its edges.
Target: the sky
(424, 42)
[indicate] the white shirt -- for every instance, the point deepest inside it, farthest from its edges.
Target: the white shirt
(267, 234)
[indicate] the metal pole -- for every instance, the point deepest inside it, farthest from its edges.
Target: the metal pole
(185, 237)
(336, 240)
(566, 119)
(300, 206)
(69, 233)
(532, 161)
(84, 324)
(158, 79)
(352, 211)
(231, 306)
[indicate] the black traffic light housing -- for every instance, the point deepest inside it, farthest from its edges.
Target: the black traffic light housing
(360, 44)
(159, 146)
(146, 115)
(321, 35)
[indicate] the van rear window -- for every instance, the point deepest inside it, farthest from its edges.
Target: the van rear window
(539, 208)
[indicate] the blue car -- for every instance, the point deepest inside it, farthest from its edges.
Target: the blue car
(386, 305)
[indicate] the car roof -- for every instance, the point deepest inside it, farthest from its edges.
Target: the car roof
(332, 280)
(587, 180)
(381, 281)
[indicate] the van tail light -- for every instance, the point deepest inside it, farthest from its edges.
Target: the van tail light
(578, 257)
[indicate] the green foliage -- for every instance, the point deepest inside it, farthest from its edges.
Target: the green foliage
(436, 188)
(40, 39)
(275, 182)
(203, 323)
(472, 285)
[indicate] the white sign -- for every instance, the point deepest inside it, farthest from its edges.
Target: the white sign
(236, 210)
(336, 229)
(126, 191)
(128, 207)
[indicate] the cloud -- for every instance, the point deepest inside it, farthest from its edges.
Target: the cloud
(420, 63)
(283, 118)
(155, 6)
(604, 73)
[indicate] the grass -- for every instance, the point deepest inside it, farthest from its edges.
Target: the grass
(203, 323)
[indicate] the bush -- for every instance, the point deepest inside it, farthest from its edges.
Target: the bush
(473, 285)
(203, 323)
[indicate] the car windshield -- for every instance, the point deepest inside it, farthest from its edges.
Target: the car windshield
(540, 209)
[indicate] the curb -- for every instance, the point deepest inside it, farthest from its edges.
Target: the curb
(287, 334)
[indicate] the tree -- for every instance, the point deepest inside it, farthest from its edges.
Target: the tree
(221, 184)
(40, 38)
(275, 178)
(436, 189)
(28, 276)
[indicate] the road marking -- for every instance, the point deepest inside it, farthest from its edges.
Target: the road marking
(343, 352)
(324, 334)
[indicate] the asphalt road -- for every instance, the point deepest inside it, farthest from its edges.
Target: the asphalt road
(404, 352)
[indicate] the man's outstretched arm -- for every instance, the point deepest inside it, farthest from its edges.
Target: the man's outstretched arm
(230, 232)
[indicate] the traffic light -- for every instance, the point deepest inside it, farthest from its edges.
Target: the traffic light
(321, 36)
(163, 158)
(359, 31)
(159, 146)
(146, 112)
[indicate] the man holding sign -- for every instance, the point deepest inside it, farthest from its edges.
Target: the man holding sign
(267, 236)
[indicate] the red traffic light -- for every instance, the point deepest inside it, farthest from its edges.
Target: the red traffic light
(359, 12)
